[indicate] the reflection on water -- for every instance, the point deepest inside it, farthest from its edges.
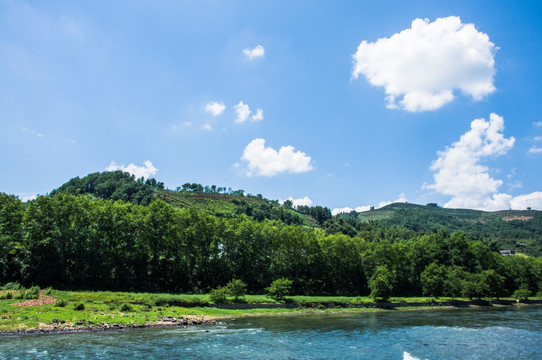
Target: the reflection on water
(509, 333)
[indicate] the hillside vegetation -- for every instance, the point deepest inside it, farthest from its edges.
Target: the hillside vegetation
(217, 201)
(110, 231)
(519, 230)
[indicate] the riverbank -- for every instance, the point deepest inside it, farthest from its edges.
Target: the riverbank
(67, 311)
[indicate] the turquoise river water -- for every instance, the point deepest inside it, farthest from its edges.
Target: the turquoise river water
(505, 333)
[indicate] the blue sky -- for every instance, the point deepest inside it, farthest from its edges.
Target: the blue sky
(343, 104)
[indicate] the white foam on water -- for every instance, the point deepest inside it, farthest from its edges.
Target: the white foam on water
(407, 356)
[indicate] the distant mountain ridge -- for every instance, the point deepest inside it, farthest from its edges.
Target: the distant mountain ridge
(465, 214)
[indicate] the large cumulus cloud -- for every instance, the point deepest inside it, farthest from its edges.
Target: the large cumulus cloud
(423, 66)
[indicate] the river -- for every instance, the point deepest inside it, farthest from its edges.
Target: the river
(503, 333)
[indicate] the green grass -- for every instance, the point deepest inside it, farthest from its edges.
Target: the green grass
(84, 308)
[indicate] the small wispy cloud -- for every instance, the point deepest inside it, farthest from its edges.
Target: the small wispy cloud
(215, 108)
(255, 52)
(535, 150)
(304, 201)
(138, 171)
(258, 116)
(362, 208)
(243, 112)
(32, 132)
(27, 197)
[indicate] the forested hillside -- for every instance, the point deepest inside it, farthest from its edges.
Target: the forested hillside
(519, 230)
(110, 231)
(219, 201)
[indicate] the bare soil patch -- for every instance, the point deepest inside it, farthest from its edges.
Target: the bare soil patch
(43, 300)
(512, 218)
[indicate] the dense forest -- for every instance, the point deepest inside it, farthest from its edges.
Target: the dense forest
(110, 231)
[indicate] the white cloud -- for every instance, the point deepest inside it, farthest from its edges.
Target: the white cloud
(207, 126)
(349, 209)
(27, 197)
(537, 124)
(256, 52)
(33, 132)
(538, 138)
(459, 173)
(266, 161)
(258, 116)
(400, 199)
(215, 108)
(422, 66)
(243, 112)
(515, 185)
(535, 150)
(532, 200)
(138, 171)
(304, 201)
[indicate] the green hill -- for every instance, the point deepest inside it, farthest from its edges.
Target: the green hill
(519, 230)
(218, 201)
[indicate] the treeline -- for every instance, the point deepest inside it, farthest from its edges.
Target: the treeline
(77, 242)
(213, 189)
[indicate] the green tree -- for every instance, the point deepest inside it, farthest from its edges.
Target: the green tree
(453, 286)
(433, 280)
(522, 294)
(494, 283)
(288, 204)
(475, 287)
(381, 283)
(11, 221)
(279, 289)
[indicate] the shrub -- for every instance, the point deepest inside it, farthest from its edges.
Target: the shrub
(126, 308)
(79, 307)
(521, 294)
(237, 288)
(219, 295)
(61, 303)
(32, 293)
(279, 289)
(21, 295)
(12, 286)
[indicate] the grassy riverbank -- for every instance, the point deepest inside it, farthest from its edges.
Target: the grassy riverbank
(57, 310)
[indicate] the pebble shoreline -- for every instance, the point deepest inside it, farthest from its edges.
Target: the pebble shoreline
(167, 321)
